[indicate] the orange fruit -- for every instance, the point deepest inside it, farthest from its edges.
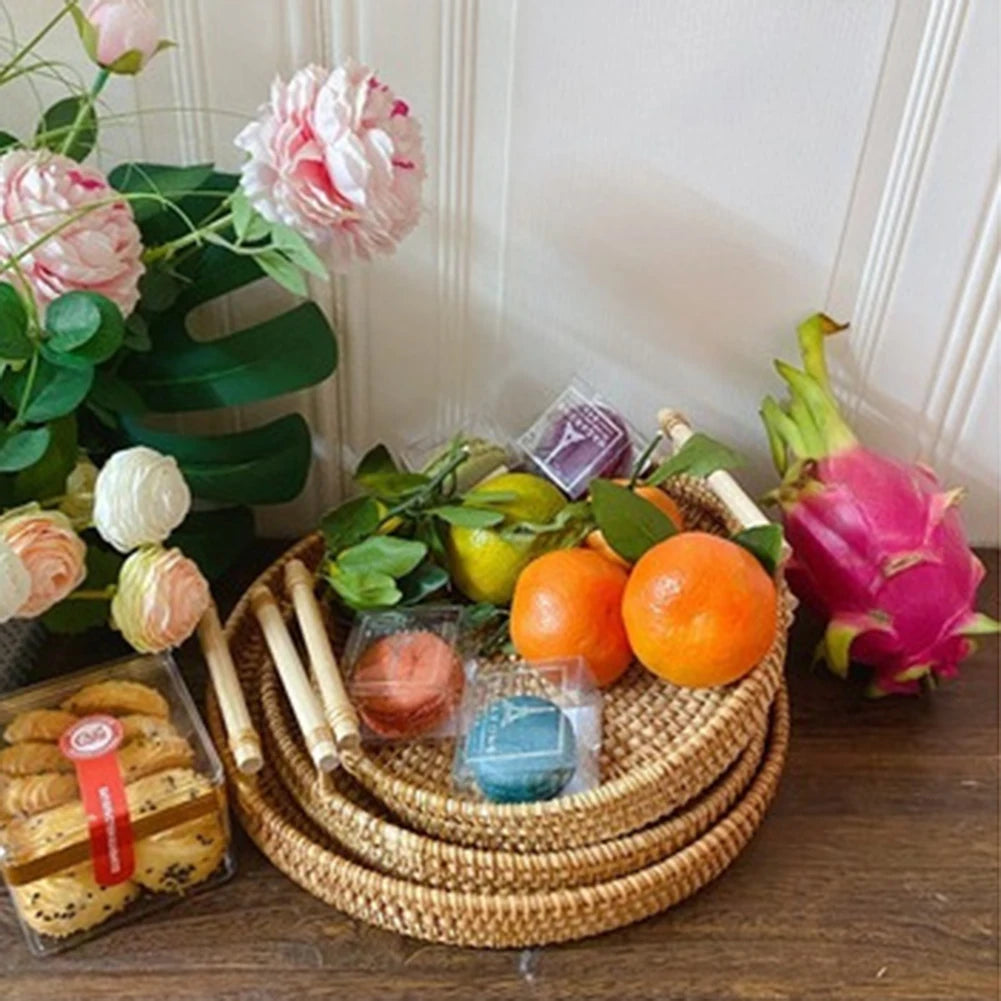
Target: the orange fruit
(699, 610)
(568, 603)
(660, 500)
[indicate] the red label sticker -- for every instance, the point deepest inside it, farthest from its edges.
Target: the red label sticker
(92, 745)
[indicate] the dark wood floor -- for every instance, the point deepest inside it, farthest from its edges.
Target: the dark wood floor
(874, 878)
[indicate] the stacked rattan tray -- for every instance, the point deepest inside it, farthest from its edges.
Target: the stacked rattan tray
(687, 776)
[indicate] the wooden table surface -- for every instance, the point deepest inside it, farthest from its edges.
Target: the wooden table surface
(874, 878)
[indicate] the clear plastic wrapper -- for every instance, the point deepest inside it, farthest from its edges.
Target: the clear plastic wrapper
(112, 800)
(529, 731)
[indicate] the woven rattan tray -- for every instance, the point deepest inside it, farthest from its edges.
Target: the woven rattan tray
(311, 858)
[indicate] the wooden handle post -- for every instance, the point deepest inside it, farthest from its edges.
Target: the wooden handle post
(315, 731)
(244, 742)
(675, 425)
(337, 706)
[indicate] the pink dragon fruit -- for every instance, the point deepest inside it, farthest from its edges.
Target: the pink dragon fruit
(878, 546)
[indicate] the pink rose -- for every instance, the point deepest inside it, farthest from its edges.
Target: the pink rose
(160, 599)
(51, 552)
(98, 252)
(121, 27)
(338, 157)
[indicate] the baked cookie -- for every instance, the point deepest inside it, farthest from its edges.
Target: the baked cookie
(144, 756)
(38, 724)
(32, 757)
(175, 860)
(136, 725)
(119, 698)
(24, 795)
(164, 789)
(71, 901)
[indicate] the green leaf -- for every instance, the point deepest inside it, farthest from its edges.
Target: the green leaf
(7, 140)
(699, 456)
(47, 477)
(263, 465)
(85, 325)
(283, 271)
(114, 395)
(376, 461)
(393, 486)
(364, 591)
(15, 344)
(243, 212)
(57, 391)
(167, 182)
(285, 353)
(764, 543)
(384, 554)
(630, 524)
(298, 251)
(350, 523)
(128, 63)
(422, 582)
(467, 517)
(215, 540)
(57, 122)
(158, 290)
(22, 449)
(76, 615)
(137, 334)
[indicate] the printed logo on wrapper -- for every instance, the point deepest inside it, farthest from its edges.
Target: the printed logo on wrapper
(92, 745)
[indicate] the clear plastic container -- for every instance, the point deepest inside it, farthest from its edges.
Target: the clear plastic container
(579, 437)
(490, 454)
(112, 798)
(529, 731)
(405, 672)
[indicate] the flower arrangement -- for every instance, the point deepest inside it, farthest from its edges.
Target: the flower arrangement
(99, 272)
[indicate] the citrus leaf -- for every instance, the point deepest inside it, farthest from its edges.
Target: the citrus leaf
(421, 583)
(364, 590)
(15, 345)
(764, 543)
(383, 554)
(22, 449)
(377, 459)
(350, 523)
(630, 524)
(393, 486)
(57, 123)
(215, 539)
(699, 456)
(263, 465)
(467, 517)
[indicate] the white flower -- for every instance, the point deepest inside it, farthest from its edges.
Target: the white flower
(15, 582)
(140, 497)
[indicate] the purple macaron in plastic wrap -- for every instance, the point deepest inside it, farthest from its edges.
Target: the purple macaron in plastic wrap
(577, 438)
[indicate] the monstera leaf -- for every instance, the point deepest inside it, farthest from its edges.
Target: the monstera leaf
(168, 372)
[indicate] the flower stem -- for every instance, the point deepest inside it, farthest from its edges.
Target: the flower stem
(42, 32)
(167, 250)
(83, 594)
(85, 106)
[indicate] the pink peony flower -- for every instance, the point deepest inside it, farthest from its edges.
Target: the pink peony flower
(121, 27)
(97, 252)
(161, 597)
(51, 552)
(338, 157)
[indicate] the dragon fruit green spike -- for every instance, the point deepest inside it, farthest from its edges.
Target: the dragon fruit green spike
(878, 545)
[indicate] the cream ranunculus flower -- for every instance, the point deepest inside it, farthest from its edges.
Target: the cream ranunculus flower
(140, 497)
(161, 597)
(15, 583)
(78, 504)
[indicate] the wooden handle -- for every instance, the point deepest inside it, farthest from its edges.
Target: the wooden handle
(675, 425)
(315, 731)
(337, 706)
(244, 742)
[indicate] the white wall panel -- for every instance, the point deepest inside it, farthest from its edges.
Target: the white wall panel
(648, 194)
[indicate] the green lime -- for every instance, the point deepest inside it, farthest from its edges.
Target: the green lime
(485, 565)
